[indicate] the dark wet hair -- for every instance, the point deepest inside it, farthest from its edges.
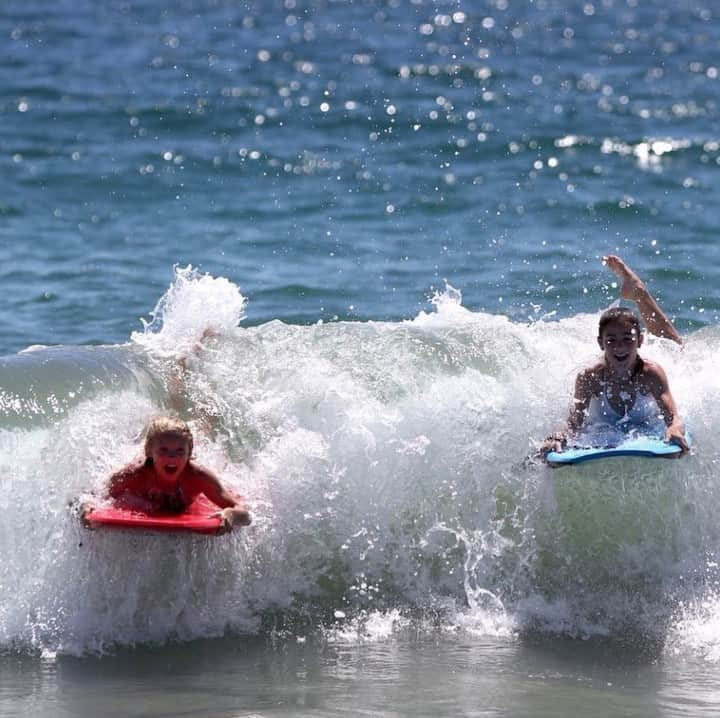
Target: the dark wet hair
(619, 314)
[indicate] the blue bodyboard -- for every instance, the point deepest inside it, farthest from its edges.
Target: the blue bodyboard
(639, 446)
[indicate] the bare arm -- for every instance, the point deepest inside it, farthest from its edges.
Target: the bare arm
(584, 383)
(233, 511)
(177, 376)
(581, 400)
(119, 483)
(634, 289)
(660, 390)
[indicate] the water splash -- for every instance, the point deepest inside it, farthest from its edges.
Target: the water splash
(194, 306)
(389, 470)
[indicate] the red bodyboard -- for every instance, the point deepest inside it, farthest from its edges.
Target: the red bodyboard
(196, 518)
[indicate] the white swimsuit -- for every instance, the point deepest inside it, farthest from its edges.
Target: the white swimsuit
(603, 425)
(643, 412)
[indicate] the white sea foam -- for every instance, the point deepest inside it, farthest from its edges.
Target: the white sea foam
(194, 305)
(697, 631)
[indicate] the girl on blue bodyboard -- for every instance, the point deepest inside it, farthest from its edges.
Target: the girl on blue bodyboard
(623, 392)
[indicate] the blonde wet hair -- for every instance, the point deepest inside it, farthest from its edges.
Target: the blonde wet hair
(167, 426)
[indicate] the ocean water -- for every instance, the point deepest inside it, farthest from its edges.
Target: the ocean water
(386, 220)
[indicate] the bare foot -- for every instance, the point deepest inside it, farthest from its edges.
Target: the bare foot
(632, 286)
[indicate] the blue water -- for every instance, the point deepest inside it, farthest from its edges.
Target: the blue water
(342, 159)
(394, 213)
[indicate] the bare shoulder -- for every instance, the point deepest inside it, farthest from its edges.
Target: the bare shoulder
(201, 474)
(130, 471)
(591, 376)
(129, 478)
(653, 374)
(201, 480)
(651, 367)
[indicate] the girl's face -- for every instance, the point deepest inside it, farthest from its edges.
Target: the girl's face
(620, 342)
(170, 455)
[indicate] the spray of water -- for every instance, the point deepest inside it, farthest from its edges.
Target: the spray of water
(389, 468)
